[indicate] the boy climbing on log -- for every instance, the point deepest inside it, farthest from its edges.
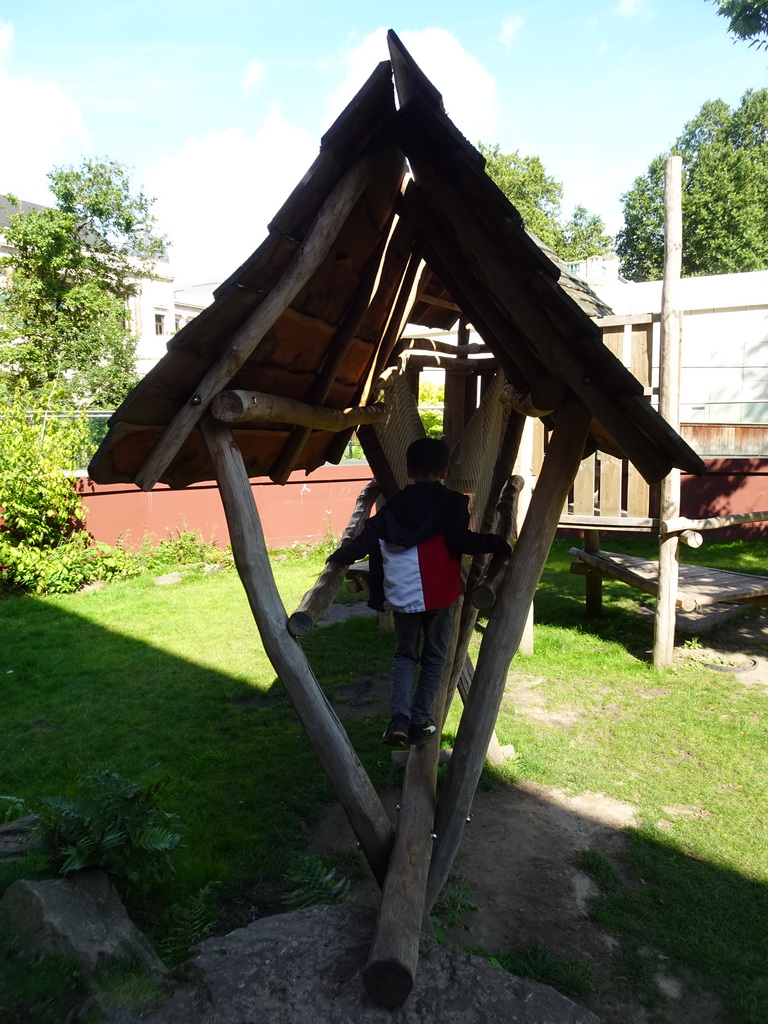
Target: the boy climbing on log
(414, 546)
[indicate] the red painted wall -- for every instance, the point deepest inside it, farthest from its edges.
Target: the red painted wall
(302, 511)
(307, 507)
(728, 486)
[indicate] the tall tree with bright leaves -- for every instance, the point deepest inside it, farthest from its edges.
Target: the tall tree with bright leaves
(725, 184)
(747, 19)
(538, 198)
(71, 268)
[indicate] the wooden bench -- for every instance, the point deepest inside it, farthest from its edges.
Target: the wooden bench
(698, 586)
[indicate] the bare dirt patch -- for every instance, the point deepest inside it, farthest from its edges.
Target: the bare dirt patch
(521, 849)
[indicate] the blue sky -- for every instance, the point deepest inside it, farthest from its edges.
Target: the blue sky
(219, 107)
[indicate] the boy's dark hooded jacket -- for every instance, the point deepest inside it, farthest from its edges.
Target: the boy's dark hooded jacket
(415, 545)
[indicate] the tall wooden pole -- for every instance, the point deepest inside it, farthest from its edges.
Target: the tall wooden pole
(324, 730)
(669, 407)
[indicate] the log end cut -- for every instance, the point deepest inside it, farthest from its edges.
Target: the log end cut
(388, 982)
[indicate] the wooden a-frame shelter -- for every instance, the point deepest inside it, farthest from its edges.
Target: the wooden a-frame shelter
(395, 222)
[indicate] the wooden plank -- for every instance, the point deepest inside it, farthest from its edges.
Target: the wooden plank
(610, 485)
(627, 524)
(324, 731)
(640, 573)
(502, 636)
(584, 488)
(698, 585)
(307, 258)
(619, 319)
(638, 493)
(641, 359)
(613, 339)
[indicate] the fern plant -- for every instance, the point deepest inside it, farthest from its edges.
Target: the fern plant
(314, 883)
(190, 921)
(111, 823)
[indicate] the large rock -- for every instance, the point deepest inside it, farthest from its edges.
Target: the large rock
(307, 967)
(80, 916)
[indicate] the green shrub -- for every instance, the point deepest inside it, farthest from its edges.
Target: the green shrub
(180, 548)
(44, 546)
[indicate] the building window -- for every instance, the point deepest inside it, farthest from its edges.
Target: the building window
(159, 323)
(177, 322)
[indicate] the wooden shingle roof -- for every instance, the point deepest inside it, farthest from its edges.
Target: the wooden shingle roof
(395, 210)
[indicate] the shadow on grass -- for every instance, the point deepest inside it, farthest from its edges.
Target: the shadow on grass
(674, 914)
(79, 697)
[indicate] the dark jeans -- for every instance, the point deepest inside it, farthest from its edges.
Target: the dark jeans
(409, 626)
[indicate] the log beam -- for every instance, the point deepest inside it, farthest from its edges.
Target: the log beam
(391, 969)
(261, 409)
(318, 598)
(544, 397)
(324, 730)
(472, 348)
(669, 407)
(679, 523)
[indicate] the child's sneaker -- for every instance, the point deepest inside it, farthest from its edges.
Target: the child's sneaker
(396, 732)
(418, 732)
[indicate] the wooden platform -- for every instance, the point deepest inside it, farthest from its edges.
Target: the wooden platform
(698, 586)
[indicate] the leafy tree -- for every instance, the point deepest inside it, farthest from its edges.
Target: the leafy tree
(538, 197)
(748, 19)
(583, 235)
(63, 314)
(725, 182)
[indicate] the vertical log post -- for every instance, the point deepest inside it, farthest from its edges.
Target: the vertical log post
(390, 972)
(502, 636)
(324, 731)
(669, 407)
(593, 582)
(391, 969)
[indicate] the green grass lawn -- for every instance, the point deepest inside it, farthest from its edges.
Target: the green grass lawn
(170, 683)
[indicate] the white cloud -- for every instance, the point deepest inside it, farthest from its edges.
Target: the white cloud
(41, 126)
(468, 90)
(631, 8)
(253, 78)
(510, 29)
(216, 194)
